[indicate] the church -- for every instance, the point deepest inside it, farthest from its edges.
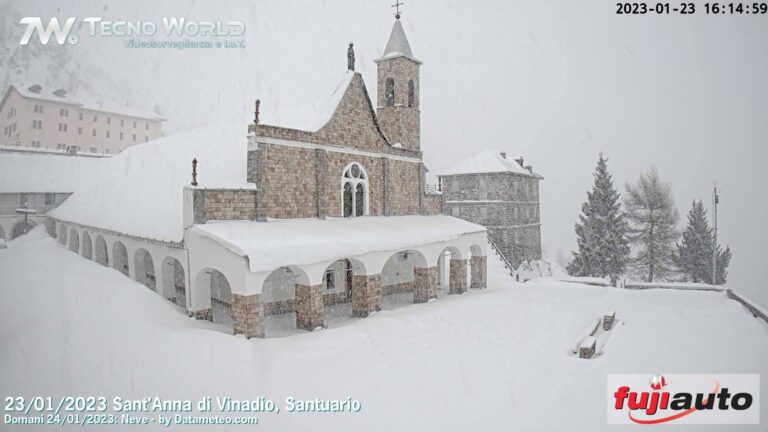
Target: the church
(328, 222)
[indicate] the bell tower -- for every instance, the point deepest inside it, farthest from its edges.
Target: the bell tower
(398, 99)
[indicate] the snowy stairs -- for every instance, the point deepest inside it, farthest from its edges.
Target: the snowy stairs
(503, 259)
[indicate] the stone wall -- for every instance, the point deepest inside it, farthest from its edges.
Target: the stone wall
(248, 315)
(366, 295)
(223, 204)
(291, 187)
(309, 306)
(518, 244)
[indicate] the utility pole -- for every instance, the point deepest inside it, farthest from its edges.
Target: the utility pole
(715, 202)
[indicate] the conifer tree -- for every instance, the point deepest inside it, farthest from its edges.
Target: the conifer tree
(652, 218)
(694, 252)
(601, 232)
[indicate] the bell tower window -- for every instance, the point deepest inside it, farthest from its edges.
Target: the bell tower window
(411, 94)
(390, 92)
(354, 191)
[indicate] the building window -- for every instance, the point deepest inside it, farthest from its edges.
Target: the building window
(81, 116)
(456, 212)
(122, 122)
(134, 137)
(330, 280)
(35, 144)
(61, 146)
(390, 92)
(354, 191)
(411, 94)
(146, 138)
(38, 109)
(121, 135)
(63, 112)
(37, 124)
(79, 130)
(94, 132)
(95, 118)
(107, 151)
(146, 126)
(109, 120)
(94, 150)
(49, 198)
(134, 124)
(62, 127)
(107, 134)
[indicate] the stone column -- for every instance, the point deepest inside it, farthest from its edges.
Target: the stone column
(202, 314)
(424, 284)
(248, 315)
(366, 292)
(309, 307)
(458, 276)
(321, 169)
(479, 272)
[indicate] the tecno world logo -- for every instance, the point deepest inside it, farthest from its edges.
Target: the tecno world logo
(683, 399)
(54, 27)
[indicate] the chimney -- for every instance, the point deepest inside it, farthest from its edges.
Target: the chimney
(35, 88)
(520, 161)
(529, 168)
(503, 155)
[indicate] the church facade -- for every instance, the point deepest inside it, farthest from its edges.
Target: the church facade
(336, 220)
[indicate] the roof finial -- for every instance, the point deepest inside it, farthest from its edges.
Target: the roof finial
(351, 57)
(397, 5)
(256, 112)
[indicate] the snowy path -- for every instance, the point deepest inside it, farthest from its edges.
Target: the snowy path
(488, 360)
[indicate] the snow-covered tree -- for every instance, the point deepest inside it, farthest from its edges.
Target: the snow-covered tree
(653, 219)
(694, 252)
(601, 233)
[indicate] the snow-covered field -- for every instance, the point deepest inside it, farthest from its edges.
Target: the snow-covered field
(496, 359)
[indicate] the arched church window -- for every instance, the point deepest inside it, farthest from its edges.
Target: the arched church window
(390, 89)
(411, 94)
(354, 190)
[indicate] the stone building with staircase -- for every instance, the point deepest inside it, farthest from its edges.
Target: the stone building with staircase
(329, 221)
(500, 194)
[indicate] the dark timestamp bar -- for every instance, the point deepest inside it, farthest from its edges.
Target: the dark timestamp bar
(690, 8)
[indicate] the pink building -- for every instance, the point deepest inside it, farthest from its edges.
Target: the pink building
(35, 119)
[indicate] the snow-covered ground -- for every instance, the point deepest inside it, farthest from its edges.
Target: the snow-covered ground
(495, 359)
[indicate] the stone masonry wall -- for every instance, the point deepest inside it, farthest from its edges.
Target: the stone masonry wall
(309, 306)
(366, 295)
(229, 204)
(291, 187)
(248, 315)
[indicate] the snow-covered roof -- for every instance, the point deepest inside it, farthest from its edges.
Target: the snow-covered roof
(140, 191)
(487, 161)
(37, 173)
(310, 121)
(273, 244)
(398, 45)
(66, 98)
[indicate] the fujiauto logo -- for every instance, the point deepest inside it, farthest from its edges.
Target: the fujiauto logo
(98, 26)
(684, 399)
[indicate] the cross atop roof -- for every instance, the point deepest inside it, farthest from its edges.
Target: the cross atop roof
(397, 5)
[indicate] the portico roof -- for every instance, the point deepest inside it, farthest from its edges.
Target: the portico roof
(270, 245)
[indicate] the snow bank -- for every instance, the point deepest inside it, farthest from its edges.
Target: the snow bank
(140, 191)
(487, 161)
(35, 173)
(495, 359)
(307, 241)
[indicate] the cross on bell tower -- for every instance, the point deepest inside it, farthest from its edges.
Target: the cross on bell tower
(397, 5)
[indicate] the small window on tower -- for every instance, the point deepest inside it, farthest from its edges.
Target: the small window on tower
(390, 92)
(411, 94)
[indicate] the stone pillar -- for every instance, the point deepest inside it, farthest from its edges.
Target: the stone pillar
(424, 284)
(309, 306)
(479, 272)
(248, 315)
(458, 276)
(366, 292)
(203, 314)
(262, 178)
(321, 170)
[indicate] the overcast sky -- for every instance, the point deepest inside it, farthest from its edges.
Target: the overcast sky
(555, 81)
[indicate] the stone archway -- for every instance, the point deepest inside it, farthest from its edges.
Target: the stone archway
(174, 282)
(74, 241)
(120, 258)
(19, 228)
(100, 255)
(399, 280)
(87, 246)
(144, 269)
(444, 269)
(281, 294)
(477, 268)
(213, 284)
(344, 290)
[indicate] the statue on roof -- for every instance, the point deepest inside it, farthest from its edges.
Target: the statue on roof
(350, 57)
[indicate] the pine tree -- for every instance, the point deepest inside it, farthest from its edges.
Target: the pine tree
(652, 216)
(601, 231)
(694, 253)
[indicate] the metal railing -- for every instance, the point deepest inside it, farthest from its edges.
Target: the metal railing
(504, 259)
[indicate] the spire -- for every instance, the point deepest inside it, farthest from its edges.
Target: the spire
(398, 45)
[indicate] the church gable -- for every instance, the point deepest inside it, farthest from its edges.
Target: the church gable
(353, 123)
